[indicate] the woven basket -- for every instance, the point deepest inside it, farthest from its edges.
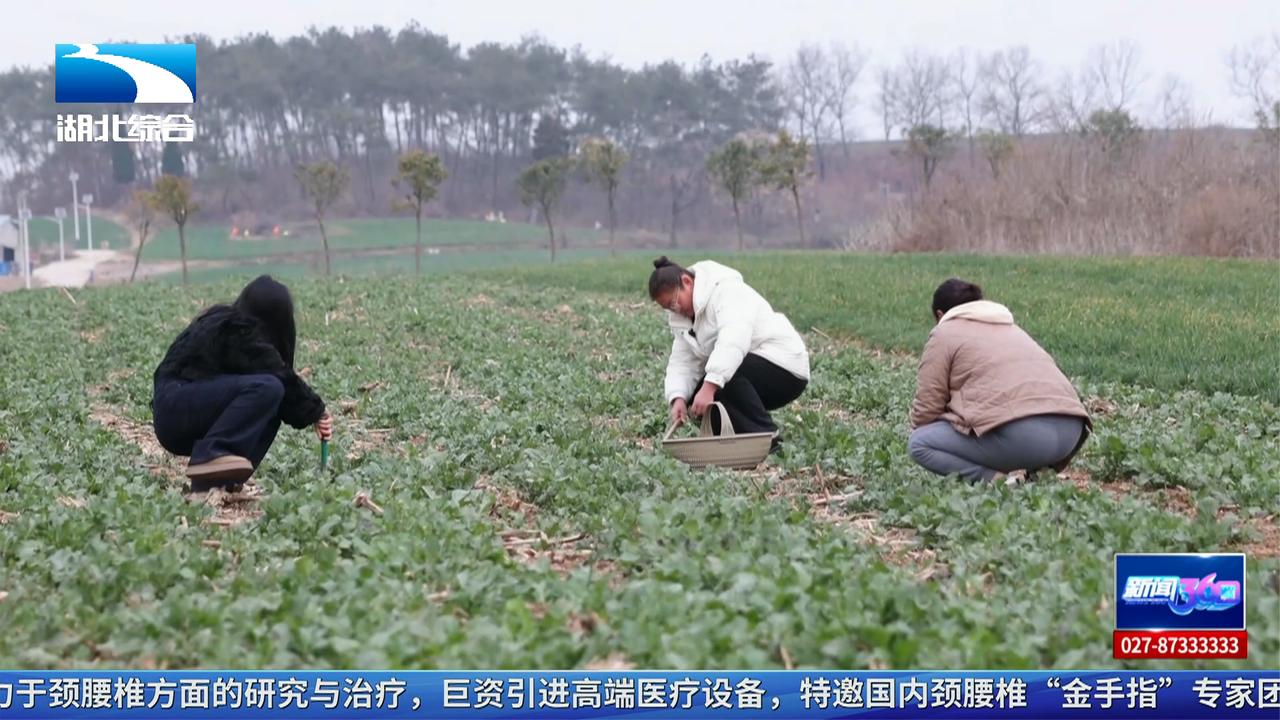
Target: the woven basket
(728, 450)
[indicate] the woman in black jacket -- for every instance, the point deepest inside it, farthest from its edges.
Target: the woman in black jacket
(228, 382)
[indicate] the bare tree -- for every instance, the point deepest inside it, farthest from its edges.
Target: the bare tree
(847, 64)
(1175, 105)
(1114, 71)
(1255, 73)
(965, 83)
(996, 149)
(887, 98)
(688, 187)
(809, 79)
(1255, 76)
(1073, 100)
(922, 90)
(1013, 90)
(1174, 111)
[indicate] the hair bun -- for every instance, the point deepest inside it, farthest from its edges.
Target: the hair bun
(662, 262)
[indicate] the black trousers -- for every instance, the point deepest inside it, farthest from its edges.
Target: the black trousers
(756, 388)
(224, 415)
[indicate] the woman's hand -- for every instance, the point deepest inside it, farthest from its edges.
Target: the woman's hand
(679, 411)
(704, 398)
(324, 427)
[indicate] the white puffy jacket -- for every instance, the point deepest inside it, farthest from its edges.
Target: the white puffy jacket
(730, 320)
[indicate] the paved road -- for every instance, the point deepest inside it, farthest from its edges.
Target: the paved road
(75, 271)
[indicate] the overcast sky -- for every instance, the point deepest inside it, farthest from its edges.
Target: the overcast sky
(1187, 38)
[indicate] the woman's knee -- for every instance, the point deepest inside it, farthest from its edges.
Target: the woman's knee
(172, 443)
(918, 445)
(268, 387)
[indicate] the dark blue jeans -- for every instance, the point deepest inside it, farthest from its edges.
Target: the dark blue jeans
(224, 415)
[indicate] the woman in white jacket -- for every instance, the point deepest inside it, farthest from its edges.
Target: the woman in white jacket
(729, 345)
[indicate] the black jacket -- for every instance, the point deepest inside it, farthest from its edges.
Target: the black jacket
(255, 335)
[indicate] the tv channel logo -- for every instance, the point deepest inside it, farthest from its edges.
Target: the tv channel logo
(1178, 591)
(117, 73)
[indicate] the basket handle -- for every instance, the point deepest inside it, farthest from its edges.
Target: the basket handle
(726, 425)
(671, 427)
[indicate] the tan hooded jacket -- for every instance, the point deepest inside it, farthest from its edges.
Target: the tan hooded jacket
(979, 371)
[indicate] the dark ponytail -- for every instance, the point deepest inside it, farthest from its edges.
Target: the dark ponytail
(954, 292)
(666, 275)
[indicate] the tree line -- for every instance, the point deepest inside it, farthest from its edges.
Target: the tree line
(668, 133)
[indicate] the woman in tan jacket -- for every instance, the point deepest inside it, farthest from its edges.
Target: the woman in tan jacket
(990, 403)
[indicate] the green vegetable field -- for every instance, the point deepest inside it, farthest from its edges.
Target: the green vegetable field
(496, 500)
(213, 242)
(106, 234)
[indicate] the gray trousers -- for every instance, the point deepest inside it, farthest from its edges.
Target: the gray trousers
(1029, 443)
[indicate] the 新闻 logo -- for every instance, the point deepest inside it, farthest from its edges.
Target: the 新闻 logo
(1180, 591)
(1182, 595)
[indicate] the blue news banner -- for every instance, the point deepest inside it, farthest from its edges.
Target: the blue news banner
(651, 695)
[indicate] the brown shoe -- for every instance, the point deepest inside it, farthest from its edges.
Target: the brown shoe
(219, 472)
